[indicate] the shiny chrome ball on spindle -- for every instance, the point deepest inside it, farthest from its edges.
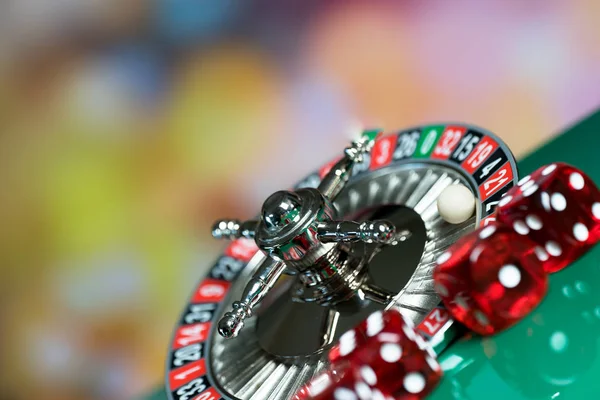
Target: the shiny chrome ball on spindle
(280, 209)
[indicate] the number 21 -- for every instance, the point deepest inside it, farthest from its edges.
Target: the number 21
(498, 181)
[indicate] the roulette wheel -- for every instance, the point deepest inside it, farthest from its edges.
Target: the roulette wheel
(261, 323)
(361, 235)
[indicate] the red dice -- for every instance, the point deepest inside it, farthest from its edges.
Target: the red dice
(333, 383)
(355, 338)
(391, 362)
(491, 278)
(396, 360)
(558, 207)
(348, 343)
(338, 384)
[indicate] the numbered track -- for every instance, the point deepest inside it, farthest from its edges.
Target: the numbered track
(409, 169)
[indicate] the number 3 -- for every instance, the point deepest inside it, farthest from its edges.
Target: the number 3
(385, 148)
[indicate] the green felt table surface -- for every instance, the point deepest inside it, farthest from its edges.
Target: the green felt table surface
(552, 353)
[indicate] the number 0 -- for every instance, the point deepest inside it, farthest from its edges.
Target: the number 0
(428, 142)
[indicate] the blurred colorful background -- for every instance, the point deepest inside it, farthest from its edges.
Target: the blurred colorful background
(128, 126)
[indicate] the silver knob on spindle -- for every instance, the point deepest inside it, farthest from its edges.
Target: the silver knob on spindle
(232, 321)
(281, 209)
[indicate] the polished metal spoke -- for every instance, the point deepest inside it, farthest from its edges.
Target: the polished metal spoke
(258, 379)
(270, 384)
(285, 384)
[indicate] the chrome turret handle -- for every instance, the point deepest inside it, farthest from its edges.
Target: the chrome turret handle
(335, 180)
(382, 232)
(260, 284)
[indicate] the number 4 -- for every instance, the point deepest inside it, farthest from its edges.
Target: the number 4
(488, 168)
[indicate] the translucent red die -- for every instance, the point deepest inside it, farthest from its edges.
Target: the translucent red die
(395, 359)
(340, 382)
(491, 278)
(558, 207)
(335, 382)
(353, 339)
(348, 343)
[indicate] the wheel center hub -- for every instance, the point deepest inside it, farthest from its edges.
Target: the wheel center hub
(299, 331)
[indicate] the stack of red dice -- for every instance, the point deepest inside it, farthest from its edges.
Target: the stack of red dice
(383, 358)
(493, 277)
